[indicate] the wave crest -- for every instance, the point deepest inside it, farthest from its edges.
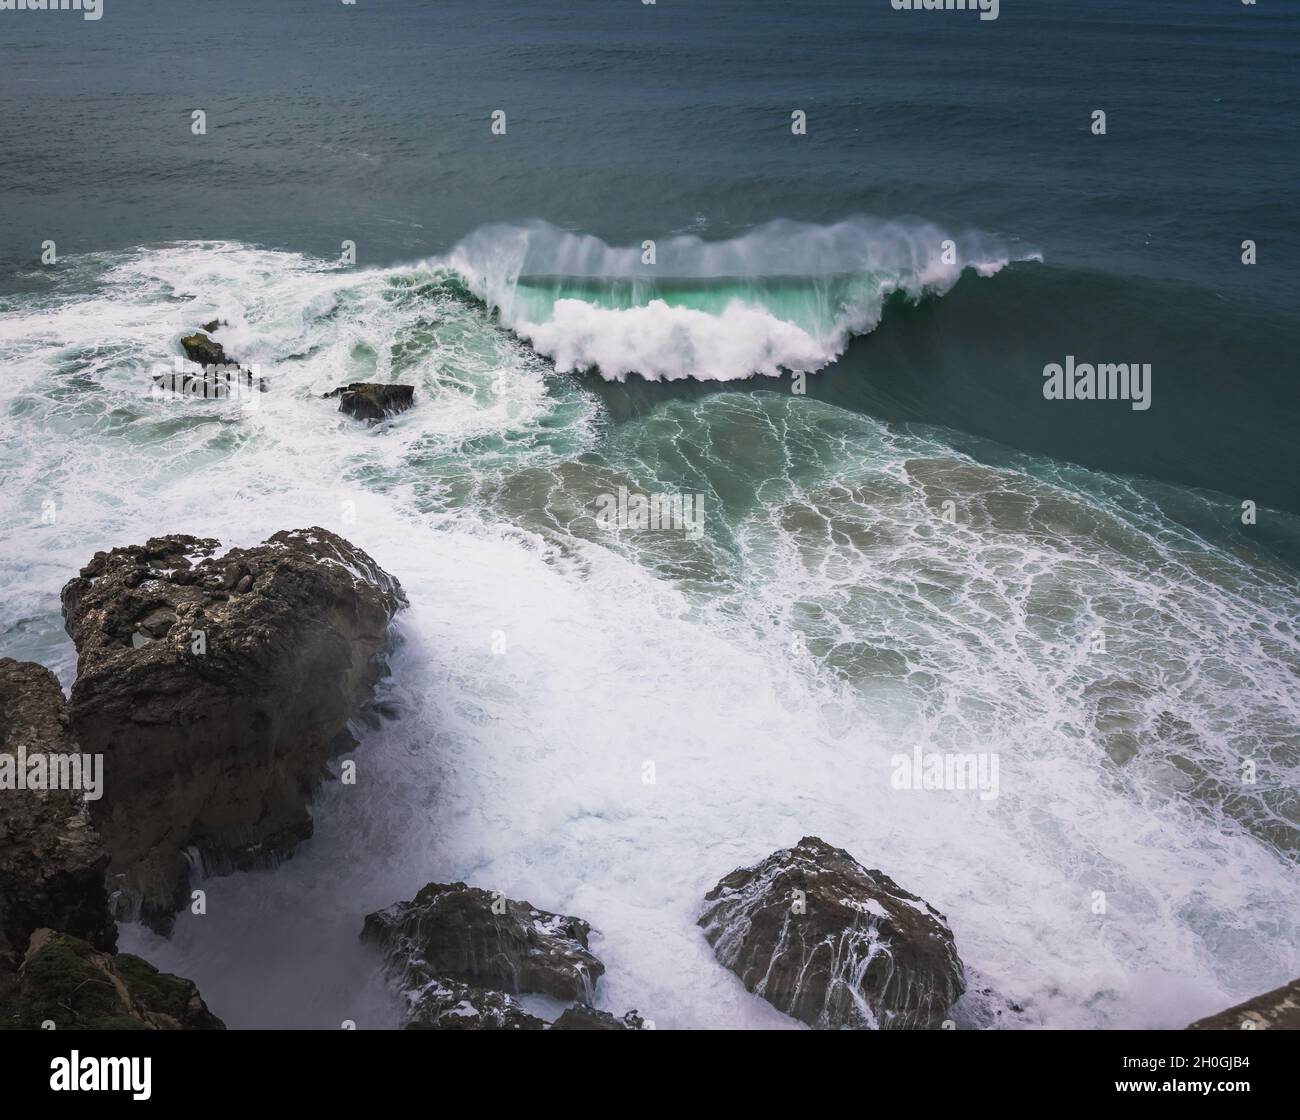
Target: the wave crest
(786, 296)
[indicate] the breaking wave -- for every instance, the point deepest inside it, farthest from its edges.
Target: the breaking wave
(787, 296)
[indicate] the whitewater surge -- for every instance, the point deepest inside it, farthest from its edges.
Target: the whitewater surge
(828, 618)
(785, 297)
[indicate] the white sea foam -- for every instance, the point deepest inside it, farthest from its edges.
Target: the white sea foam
(661, 341)
(522, 770)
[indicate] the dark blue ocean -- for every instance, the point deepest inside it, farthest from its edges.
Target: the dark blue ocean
(371, 122)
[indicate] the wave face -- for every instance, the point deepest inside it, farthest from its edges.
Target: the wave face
(827, 618)
(785, 297)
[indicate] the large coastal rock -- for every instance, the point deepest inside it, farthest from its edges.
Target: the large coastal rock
(68, 982)
(453, 932)
(825, 940)
(52, 863)
(1278, 1010)
(449, 1005)
(217, 687)
(367, 400)
(583, 1018)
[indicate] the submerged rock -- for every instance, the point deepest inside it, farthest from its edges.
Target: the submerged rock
(471, 935)
(52, 863)
(368, 400)
(825, 940)
(217, 687)
(582, 1018)
(68, 982)
(1278, 1010)
(449, 1005)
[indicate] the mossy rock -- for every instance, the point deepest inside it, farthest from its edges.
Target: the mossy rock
(200, 348)
(61, 983)
(67, 981)
(159, 993)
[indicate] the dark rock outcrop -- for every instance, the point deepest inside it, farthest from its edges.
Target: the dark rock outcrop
(451, 931)
(368, 400)
(825, 940)
(582, 1018)
(213, 383)
(67, 981)
(221, 377)
(52, 863)
(205, 351)
(217, 687)
(448, 1005)
(1278, 1010)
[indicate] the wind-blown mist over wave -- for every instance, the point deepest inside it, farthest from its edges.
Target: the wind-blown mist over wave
(786, 296)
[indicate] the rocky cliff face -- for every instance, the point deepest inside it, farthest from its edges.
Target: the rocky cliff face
(52, 863)
(216, 687)
(1278, 1010)
(832, 944)
(68, 982)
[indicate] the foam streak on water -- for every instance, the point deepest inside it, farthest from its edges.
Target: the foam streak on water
(827, 619)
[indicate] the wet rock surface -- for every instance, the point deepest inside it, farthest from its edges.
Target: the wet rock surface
(450, 931)
(205, 351)
(52, 862)
(213, 383)
(367, 400)
(833, 944)
(1278, 1010)
(582, 1018)
(449, 1005)
(216, 687)
(221, 376)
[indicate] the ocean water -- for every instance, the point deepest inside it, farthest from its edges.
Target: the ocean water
(1097, 613)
